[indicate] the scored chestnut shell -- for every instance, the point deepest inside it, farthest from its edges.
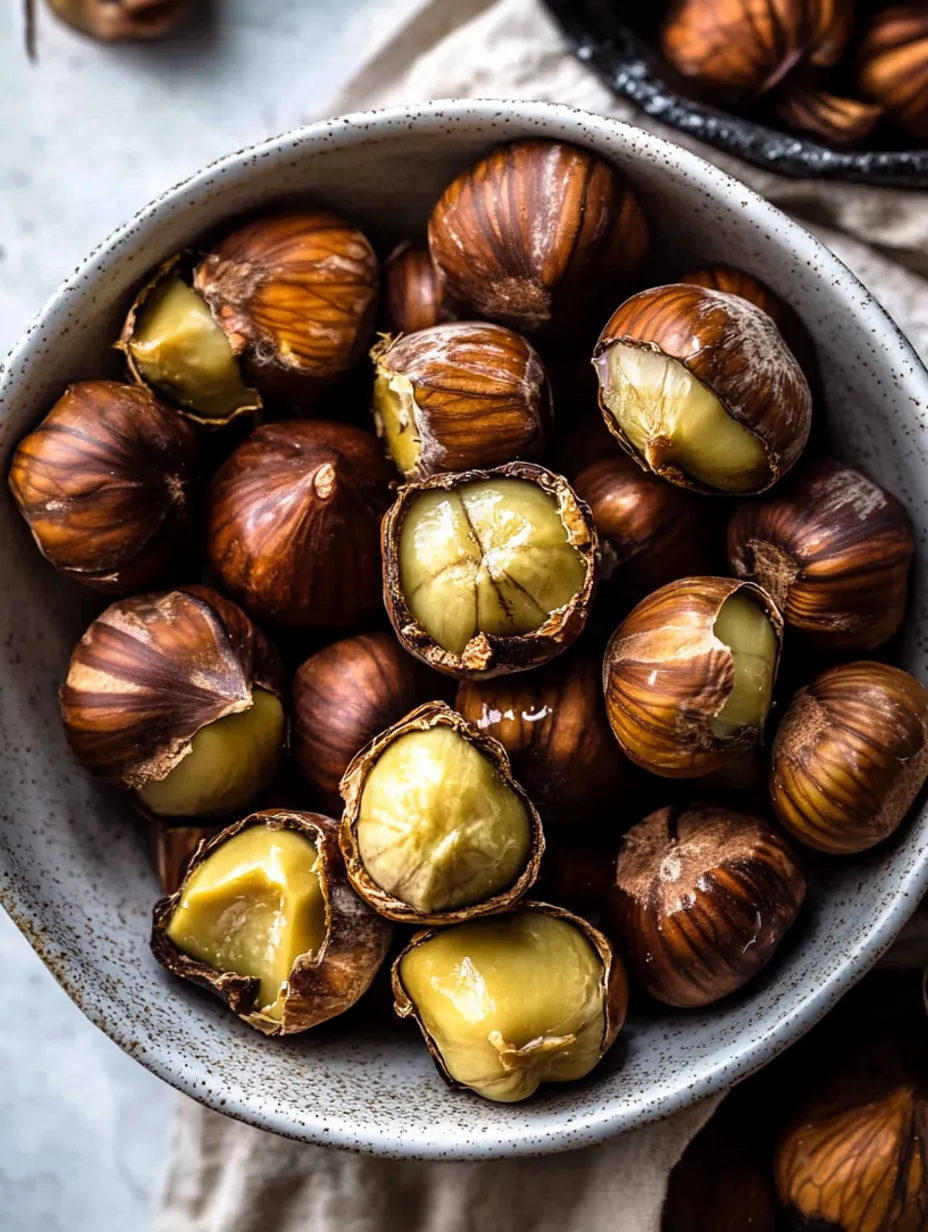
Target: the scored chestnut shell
(105, 483)
(700, 387)
(552, 724)
(894, 66)
(322, 984)
(345, 695)
(833, 549)
(414, 290)
(850, 756)
(113, 21)
(459, 396)
(293, 525)
(682, 700)
(533, 234)
(703, 896)
(530, 524)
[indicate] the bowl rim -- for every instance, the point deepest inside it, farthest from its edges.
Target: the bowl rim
(737, 1059)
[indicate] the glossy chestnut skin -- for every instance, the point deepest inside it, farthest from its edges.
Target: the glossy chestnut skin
(850, 756)
(894, 66)
(517, 252)
(703, 896)
(106, 484)
(293, 525)
(414, 290)
(552, 723)
(833, 550)
(345, 695)
(115, 21)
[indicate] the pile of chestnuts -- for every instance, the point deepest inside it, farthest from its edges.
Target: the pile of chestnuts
(372, 664)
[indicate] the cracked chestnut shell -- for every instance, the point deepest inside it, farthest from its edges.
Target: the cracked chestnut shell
(414, 290)
(172, 848)
(105, 484)
(293, 525)
(322, 983)
(530, 523)
(113, 21)
(700, 387)
(343, 696)
(894, 66)
(527, 1041)
(459, 396)
(850, 756)
(681, 699)
(535, 233)
(833, 550)
(431, 806)
(702, 898)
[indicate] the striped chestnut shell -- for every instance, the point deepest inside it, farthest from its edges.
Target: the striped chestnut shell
(702, 898)
(414, 290)
(894, 66)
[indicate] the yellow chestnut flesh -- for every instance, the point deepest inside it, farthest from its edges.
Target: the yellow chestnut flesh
(438, 828)
(489, 557)
(229, 762)
(672, 419)
(746, 630)
(253, 907)
(509, 1003)
(395, 415)
(183, 354)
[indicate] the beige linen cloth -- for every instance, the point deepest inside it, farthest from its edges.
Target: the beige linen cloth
(228, 1177)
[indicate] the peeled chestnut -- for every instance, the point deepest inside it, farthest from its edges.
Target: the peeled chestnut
(343, 696)
(105, 483)
(894, 66)
(113, 21)
(534, 233)
(833, 550)
(435, 828)
(850, 756)
(459, 396)
(703, 897)
(177, 696)
(488, 572)
(650, 532)
(700, 388)
(508, 1003)
(552, 724)
(265, 919)
(689, 674)
(414, 289)
(293, 525)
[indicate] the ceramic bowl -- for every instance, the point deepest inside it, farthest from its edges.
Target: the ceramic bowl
(73, 873)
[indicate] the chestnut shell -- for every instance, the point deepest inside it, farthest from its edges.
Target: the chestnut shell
(894, 66)
(414, 290)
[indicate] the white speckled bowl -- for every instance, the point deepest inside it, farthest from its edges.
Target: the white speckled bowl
(71, 870)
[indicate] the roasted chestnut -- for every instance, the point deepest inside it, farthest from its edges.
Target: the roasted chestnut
(172, 847)
(435, 827)
(345, 695)
(265, 919)
(894, 66)
(535, 233)
(700, 387)
(414, 290)
(689, 674)
(459, 396)
(833, 550)
(105, 483)
(703, 896)
(113, 21)
(293, 525)
(488, 572)
(650, 533)
(836, 120)
(537, 995)
(177, 696)
(850, 756)
(552, 724)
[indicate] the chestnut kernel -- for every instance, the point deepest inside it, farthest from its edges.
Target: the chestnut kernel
(688, 675)
(265, 919)
(414, 289)
(850, 756)
(533, 234)
(105, 483)
(506, 1004)
(293, 525)
(345, 695)
(116, 21)
(894, 66)
(702, 898)
(435, 828)
(833, 550)
(700, 388)
(459, 396)
(176, 695)
(487, 572)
